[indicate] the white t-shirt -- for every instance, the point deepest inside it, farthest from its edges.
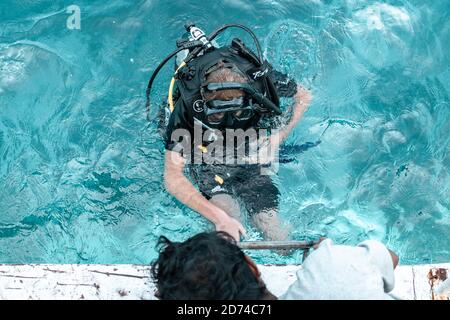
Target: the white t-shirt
(338, 272)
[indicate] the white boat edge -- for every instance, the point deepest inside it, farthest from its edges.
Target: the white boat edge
(125, 281)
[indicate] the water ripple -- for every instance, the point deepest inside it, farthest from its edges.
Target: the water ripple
(81, 169)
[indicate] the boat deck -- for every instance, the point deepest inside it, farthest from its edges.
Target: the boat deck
(66, 281)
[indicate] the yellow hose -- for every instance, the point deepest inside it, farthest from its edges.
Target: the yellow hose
(172, 84)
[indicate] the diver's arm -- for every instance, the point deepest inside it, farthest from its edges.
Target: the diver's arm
(182, 189)
(302, 101)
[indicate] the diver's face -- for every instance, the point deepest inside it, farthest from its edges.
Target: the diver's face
(216, 117)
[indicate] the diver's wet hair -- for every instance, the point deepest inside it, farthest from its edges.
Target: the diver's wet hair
(208, 266)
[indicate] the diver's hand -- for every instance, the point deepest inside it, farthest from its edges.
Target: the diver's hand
(231, 226)
(302, 101)
(316, 245)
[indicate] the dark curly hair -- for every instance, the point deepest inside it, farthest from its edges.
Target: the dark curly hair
(208, 266)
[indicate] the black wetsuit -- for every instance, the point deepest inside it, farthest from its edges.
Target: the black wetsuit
(257, 191)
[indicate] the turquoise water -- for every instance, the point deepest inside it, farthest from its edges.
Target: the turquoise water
(80, 167)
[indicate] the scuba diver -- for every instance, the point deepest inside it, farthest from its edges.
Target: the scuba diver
(217, 96)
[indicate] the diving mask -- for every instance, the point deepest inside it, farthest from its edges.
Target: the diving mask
(222, 111)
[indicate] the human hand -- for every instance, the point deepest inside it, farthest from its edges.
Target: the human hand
(316, 245)
(232, 227)
(302, 100)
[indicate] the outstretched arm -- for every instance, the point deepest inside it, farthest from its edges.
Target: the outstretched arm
(182, 189)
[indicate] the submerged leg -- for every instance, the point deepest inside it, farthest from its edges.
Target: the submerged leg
(272, 228)
(228, 204)
(270, 225)
(261, 198)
